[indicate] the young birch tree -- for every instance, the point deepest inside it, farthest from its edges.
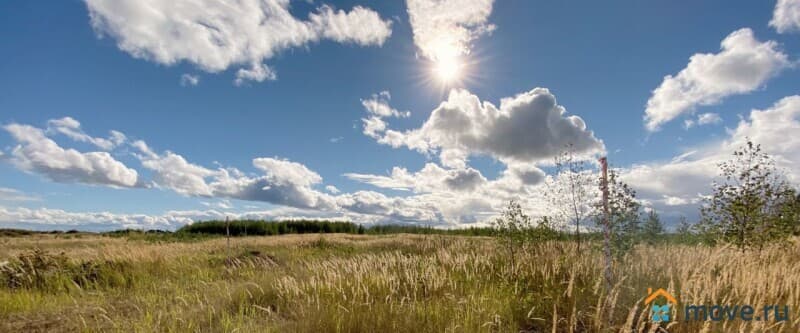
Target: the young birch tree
(568, 191)
(512, 228)
(624, 215)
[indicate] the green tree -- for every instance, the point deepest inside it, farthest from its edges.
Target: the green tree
(746, 207)
(511, 228)
(684, 230)
(624, 212)
(541, 233)
(652, 227)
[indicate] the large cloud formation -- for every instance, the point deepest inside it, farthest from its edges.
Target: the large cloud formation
(217, 35)
(744, 64)
(528, 128)
(444, 29)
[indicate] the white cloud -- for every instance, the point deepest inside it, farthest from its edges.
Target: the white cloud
(679, 185)
(446, 197)
(432, 178)
(283, 182)
(37, 153)
(702, 119)
(744, 64)
(332, 189)
(257, 72)
(360, 26)
(377, 108)
(786, 17)
(708, 118)
(172, 171)
(71, 128)
(378, 105)
(49, 219)
(445, 29)
(189, 80)
(382, 207)
(530, 127)
(216, 36)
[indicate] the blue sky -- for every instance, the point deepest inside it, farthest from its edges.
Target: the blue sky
(126, 66)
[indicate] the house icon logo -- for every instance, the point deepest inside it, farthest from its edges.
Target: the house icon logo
(659, 313)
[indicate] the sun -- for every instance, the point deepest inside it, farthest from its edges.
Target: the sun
(446, 60)
(444, 65)
(448, 69)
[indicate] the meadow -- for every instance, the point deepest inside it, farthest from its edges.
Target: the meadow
(373, 283)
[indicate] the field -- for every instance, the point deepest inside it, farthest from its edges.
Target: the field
(368, 283)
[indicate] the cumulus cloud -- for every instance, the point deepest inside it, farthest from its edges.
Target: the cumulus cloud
(216, 36)
(396, 209)
(524, 131)
(36, 153)
(446, 197)
(743, 64)
(679, 185)
(445, 29)
(530, 127)
(359, 26)
(786, 17)
(282, 182)
(173, 172)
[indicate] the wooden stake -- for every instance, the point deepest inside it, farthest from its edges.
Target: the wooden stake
(606, 224)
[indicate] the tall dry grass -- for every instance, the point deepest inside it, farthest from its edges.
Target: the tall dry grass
(351, 283)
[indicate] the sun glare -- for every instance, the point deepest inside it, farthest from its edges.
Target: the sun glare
(447, 70)
(447, 66)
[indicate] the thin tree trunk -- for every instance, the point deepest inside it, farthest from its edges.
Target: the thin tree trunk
(606, 229)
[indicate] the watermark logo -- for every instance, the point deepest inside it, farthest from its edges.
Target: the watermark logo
(660, 313)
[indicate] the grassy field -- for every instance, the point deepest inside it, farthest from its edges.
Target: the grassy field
(367, 283)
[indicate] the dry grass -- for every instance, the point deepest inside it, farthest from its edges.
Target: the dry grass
(404, 283)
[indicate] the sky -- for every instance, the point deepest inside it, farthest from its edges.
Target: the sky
(153, 114)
